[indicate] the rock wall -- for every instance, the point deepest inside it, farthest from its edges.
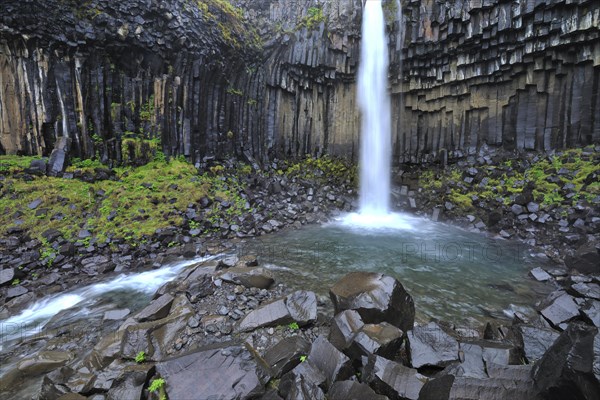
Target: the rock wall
(521, 75)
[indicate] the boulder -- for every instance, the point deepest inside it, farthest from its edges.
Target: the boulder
(589, 290)
(59, 157)
(559, 308)
(271, 314)
(248, 277)
(586, 259)
(16, 291)
(591, 309)
(334, 364)
(535, 340)
(227, 373)
(305, 382)
(302, 306)
(157, 309)
(381, 339)
(6, 276)
(507, 382)
(540, 275)
(568, 370)
(376, 297)
(116, 315)
(430, 345)
(393, 379)
(353, 390)
(285, 355)
(344, 327)
(130, 382)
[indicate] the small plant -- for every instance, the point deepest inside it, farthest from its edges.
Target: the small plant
(194, 224)
(140, 357)
(15, 282)
(172, 244)
(302, 358)
(158, 386)
(294, 326)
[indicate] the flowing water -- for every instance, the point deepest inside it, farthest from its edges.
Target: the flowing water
(131, 291)
(374, 102)
(452, 274)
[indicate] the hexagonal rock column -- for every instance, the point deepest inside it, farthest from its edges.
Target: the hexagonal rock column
(376, 297)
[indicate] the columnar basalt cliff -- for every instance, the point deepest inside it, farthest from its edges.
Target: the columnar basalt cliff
(276, 78)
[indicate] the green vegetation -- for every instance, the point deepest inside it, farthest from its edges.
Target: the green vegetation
(313, 18)
(158, 386)
(140, 357)
(324, 169)
(293, 326)
(16, 282)
(302, 358)
(501, 183)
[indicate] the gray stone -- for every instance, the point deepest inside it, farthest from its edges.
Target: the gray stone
(393, 379)
(589, 290)
(344, 327)
(302, 306)
(16, 291)
(381, 339)
(517, 209)
(585, 260)
(228, 373)
(285, 355)
(306, 382)
(249, 277)
(561, 308)
(130, 382)
(376, 297)
(6, 275)
(353, 390)
(591, 309)
(34, 204)
(533, 207)
(157, 309)
(431, 345)
(272, 314)
(566, 371)
(540, 275)
(535, 340)
(334, 364)
(116, 315)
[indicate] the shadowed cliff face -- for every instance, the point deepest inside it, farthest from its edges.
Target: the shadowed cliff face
(276, 78)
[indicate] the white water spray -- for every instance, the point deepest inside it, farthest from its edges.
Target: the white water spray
(374, 102)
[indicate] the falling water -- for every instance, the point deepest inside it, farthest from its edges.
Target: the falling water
(374, 103)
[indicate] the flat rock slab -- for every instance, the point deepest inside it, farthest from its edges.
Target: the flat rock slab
(381, 339)
(561, 309)
(540, 275)
(285, 355)
(306, 381)
(393, 379)
(536, 340)
(300, 307)
(6, 275)
(431, 345)
(248, 277)
(344, 327)
(157, 309)
(116, 315)
(352, 390)
(225, 374)
(591, 309)
(376, 297)
(589, 290)
(334, 364)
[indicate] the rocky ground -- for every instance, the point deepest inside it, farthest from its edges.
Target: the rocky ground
(257, 338)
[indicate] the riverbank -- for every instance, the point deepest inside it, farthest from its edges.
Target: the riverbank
(207, 305)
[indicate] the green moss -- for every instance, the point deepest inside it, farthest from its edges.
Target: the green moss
(11, 164)
(323, 169)
(313, 18)
(460, 200)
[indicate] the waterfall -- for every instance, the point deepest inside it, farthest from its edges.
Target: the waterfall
(374, 103)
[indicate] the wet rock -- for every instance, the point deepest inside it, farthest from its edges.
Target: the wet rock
(352, 390)
(566, 371)
(228, 373)
(249, 277)
(589, 290)
(517, 209)
(116, 315)
(157, 309)
(560, 308)
(6, 275)
(535, 340)
(393, 379)
(586, 259)
(43, 362)
(305, 381)
(376, 297)
(302, 306)
(343, 328)
(539, 274)
(334, 364)
(16, 291)
(431, 345)
(381, 339)
(591, 309)
(130, 383)
(285, 355)
(272, 314)
(200, 288)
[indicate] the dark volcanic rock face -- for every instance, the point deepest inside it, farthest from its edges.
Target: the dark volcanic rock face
(277, 78)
